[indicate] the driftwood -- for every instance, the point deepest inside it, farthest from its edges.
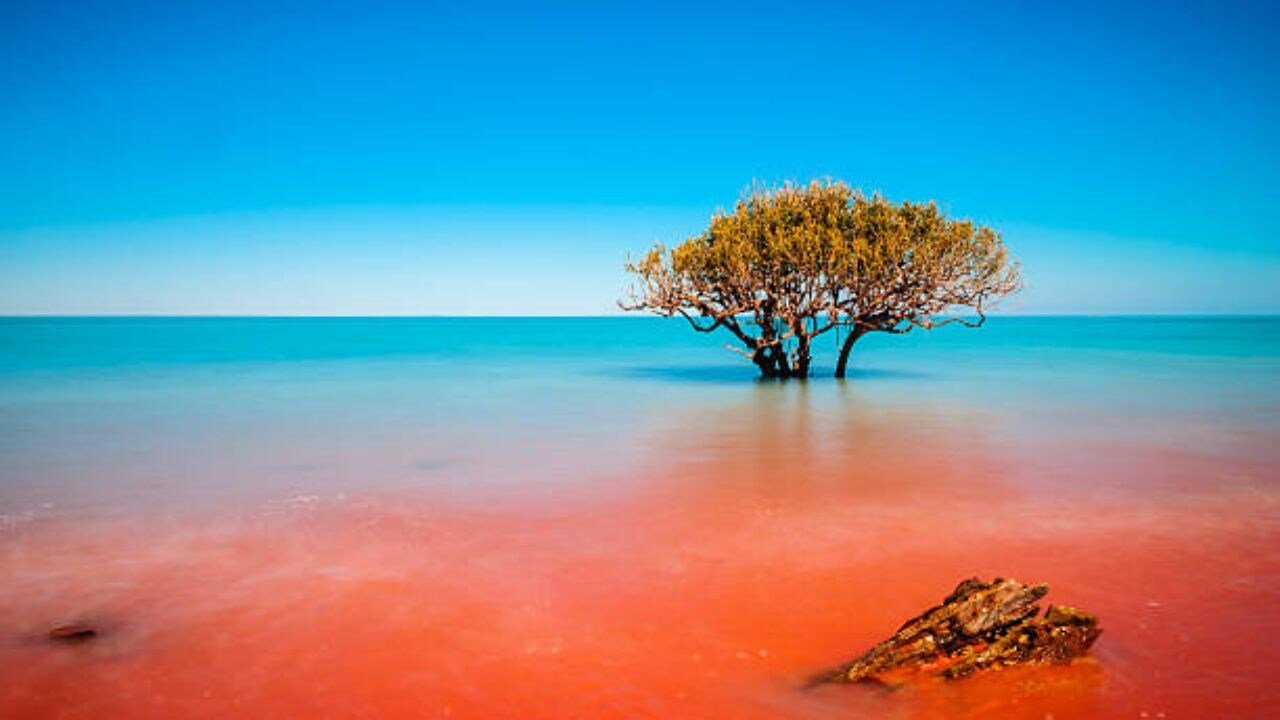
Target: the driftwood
(977, 626)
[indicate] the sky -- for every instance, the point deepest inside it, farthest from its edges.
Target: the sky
(429, 158)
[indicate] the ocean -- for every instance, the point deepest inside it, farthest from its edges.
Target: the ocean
(612, 517)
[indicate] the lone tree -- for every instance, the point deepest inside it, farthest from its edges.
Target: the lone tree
(795, 262)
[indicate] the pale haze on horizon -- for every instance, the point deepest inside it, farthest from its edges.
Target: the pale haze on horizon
(410, 159)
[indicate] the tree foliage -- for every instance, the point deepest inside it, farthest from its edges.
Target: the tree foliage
(792, 263)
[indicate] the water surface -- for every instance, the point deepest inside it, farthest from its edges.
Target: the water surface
(610, 518)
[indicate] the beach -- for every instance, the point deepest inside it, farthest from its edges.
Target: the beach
(610, 517)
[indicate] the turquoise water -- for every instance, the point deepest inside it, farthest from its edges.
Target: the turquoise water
(118, 408)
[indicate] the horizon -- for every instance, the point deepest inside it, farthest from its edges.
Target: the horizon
(402, 160)
(610, 316)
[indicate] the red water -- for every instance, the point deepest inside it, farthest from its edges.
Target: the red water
(708, 582)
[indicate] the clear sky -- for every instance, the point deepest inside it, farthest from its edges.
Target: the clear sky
(502, 158)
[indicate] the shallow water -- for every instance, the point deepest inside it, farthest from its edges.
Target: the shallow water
(609, 518)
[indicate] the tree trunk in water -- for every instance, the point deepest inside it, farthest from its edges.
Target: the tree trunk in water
(764, 360)
(781, 365)
(843, 363)
(801, 368)
(774, 363)
(770, 358)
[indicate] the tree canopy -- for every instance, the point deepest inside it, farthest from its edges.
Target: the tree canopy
(794, 262)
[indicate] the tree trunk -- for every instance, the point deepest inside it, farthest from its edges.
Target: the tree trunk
(773, 362)
(803, 357)
(842, 363)
(764, 360)
(770, 358)
(780, 361)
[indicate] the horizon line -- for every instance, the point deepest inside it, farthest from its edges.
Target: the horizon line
(584, 316)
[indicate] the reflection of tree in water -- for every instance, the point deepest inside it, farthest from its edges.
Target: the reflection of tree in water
(792, 445)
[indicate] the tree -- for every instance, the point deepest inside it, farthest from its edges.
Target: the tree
(792, 263)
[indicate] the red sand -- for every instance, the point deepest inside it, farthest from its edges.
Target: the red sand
(706, 586)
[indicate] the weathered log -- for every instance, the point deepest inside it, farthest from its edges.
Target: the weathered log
(979, 625)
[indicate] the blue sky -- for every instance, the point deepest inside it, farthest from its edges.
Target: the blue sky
(502, 158)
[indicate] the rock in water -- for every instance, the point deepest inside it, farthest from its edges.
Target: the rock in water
(979, 625)
(1062, 634)
(73, 633)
